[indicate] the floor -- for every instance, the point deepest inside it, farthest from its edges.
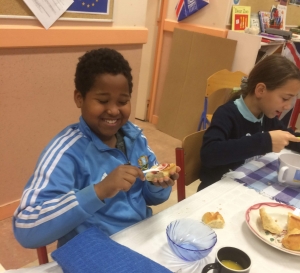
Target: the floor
(13, 256)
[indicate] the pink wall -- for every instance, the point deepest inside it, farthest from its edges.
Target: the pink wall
(36, 102)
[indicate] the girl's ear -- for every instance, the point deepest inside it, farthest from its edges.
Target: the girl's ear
(78, 98)
(260, 90)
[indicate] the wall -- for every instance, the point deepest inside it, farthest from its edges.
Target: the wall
(147, 60)
(36, 84)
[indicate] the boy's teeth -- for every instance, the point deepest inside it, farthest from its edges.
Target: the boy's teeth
(110, 121)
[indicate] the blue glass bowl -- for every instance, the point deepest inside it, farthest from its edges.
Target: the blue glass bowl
(191, 240)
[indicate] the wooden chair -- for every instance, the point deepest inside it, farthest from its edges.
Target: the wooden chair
(188, 159)
(42, 255)
(223, 79)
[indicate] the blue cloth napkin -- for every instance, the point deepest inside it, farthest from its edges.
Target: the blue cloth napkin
(92, 251)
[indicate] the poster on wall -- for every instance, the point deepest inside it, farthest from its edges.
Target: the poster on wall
(90, 6)
(75, 10)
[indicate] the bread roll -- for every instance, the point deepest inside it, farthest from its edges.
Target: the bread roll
(213, 219)
(269, 223)
(165, 170)
(292, 240)
(293, 222)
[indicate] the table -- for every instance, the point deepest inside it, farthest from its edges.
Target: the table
(228, 197)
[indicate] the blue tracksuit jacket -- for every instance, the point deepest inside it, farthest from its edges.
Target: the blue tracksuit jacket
(59, 200)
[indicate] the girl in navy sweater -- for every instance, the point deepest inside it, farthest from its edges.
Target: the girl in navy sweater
(247, 125)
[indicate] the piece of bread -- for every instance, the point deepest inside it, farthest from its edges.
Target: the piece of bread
(292, 240)
(165, 170)
(269, 223)
(293, 222)
(213, 219)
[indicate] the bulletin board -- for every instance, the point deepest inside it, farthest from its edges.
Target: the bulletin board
(18, 9)
(292, 14)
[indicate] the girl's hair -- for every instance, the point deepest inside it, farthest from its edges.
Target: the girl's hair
(274, 71)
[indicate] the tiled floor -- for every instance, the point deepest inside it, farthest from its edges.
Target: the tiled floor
(13, 256)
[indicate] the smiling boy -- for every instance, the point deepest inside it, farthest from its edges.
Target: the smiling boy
(89, 174)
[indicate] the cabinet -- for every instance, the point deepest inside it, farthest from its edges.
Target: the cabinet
(249, 50)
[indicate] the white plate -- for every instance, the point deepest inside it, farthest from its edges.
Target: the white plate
(279, 213)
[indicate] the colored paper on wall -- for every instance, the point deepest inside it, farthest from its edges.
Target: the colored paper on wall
(185, 8)
(90, 6)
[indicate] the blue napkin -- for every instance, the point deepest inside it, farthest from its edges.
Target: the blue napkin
(92, 251)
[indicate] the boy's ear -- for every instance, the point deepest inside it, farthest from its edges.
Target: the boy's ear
(260, 89)
(78, 98)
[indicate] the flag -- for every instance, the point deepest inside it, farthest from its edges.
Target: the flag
(185, 8)
(291, 51)
(90, 6)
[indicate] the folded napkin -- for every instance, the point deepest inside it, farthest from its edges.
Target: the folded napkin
(92, 251)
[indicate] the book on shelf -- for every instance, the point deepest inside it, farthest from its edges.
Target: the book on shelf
(254, 21)
(264, 20)
(282, 15)
(265, 41)
(240, 17)
(272, 37)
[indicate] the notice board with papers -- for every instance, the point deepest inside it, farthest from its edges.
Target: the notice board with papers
(18, 9)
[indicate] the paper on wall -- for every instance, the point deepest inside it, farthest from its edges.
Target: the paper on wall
(48, 11)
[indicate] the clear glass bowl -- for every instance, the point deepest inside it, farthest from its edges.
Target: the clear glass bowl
(190, 240)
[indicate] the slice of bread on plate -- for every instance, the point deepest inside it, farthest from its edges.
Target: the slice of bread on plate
(269, 223)
(292, 240)
(213, 219)
(293, 222)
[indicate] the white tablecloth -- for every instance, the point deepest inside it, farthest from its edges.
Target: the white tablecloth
(228, 197)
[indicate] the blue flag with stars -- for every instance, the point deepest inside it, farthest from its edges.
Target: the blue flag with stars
(90, 6)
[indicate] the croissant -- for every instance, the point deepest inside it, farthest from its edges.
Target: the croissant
(292, 240)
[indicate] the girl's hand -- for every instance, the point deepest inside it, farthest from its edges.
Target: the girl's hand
(120, 179)
(280, 139)
(167, 181)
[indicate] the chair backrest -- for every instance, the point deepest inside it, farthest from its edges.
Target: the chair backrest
(188, 159)
(223, 79)
(218, 87)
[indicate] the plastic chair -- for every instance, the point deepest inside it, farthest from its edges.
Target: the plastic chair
(188, 159)
(42, 255)
(223, 79)
(295, 114)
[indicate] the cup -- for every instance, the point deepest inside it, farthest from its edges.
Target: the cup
(226, 258)
(289, 170)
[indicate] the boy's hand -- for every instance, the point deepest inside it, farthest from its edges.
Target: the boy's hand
(120, 179)
(280, 139)
(167, 181)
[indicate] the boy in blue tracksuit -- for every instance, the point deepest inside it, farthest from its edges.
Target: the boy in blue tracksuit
(90, 173)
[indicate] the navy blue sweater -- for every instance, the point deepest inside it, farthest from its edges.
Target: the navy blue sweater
(231, 139)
